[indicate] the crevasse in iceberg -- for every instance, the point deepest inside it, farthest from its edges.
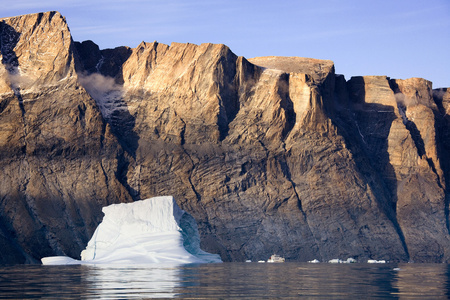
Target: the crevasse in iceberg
(154, 230)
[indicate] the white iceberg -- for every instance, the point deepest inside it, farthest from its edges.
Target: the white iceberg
(374, 261)
(148, 231)
(349, 260)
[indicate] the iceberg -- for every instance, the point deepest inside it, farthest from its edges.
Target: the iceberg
(154, 230)
(349, 260)
(374, 261)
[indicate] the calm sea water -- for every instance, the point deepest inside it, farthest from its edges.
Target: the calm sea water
(227, 280)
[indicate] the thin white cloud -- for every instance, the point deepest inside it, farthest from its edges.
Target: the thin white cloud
(418, 13)
(46, 5)
(30, 4)
(333, 33)
(101, 29)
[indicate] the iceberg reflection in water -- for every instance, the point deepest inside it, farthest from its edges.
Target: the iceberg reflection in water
(128, 282)
(149, 231)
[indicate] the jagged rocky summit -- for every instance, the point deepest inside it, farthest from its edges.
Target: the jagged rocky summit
(269, 155)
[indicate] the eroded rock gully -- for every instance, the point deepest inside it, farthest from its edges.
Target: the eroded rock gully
(271, 154)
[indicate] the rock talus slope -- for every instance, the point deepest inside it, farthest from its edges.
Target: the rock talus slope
(271, 154)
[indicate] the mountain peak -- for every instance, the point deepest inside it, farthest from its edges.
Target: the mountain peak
(39, 15)
(47, 61)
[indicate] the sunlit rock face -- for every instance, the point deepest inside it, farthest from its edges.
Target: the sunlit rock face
(269, 155)
(58, 158)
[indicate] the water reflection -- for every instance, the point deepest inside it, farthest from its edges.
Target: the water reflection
(125, 282)
(414, 280)
(88, 282)
(288, 280)
(29, 282)
(226, 280)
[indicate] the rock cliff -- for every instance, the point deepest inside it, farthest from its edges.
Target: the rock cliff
(271, 154)
(59, 158)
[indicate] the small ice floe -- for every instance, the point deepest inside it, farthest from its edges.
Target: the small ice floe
(374, 261)
(248, 260)
(349, 260)
(261, 261)
(314, 261)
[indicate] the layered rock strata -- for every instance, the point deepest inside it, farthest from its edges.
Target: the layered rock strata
(269, 155)
(58, 157)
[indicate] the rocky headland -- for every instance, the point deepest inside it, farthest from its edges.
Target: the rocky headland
(269, 155)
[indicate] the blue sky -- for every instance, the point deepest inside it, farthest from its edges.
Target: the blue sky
(397, 38)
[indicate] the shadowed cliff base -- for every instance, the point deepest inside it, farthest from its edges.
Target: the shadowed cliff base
(442, 99)
(366, 126)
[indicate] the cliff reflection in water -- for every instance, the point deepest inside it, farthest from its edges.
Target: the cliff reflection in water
(423, 279)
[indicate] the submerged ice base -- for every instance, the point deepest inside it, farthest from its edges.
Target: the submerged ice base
(148, 231)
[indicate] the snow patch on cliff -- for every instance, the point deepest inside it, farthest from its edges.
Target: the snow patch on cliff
(149, 231)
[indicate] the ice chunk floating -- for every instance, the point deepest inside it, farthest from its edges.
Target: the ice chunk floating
(149, 231)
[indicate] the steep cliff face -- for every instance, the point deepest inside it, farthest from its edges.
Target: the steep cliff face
(58, 157)
(272, 154)
(396, 121)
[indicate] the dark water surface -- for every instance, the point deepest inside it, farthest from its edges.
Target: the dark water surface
(227, 280)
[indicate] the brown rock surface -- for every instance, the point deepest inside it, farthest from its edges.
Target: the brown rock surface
(272, 154)
(397, 128)
(318, 69)
(58, 157)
